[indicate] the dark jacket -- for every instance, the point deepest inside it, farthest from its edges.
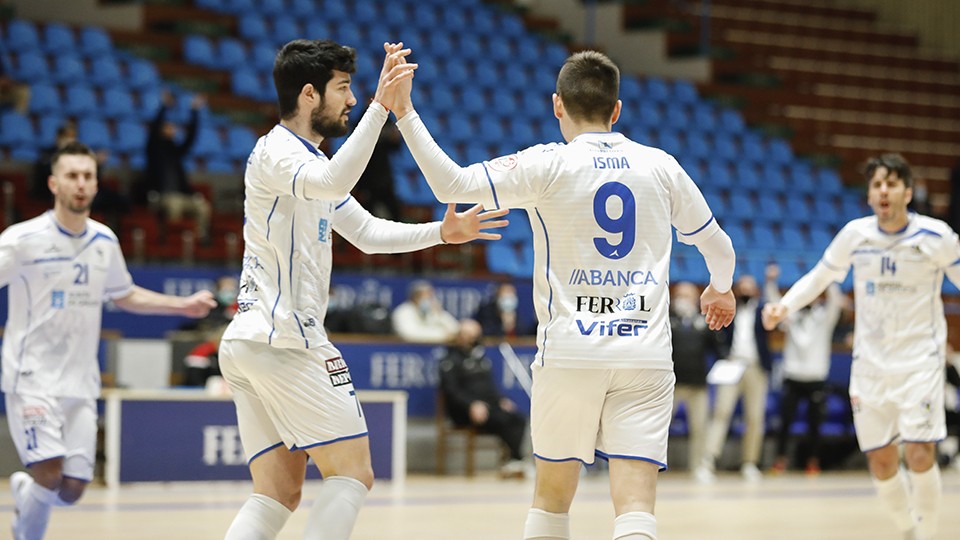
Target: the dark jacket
(465, 377)
(693, 343)
(165, 172)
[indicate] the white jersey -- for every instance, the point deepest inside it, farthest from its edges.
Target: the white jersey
(809, 339)
(897, 278)
(601, 209)
(57, 283)
(295, 199)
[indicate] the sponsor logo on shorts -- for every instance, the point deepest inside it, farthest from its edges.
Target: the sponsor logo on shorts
(34, 416)
(606, 304)
(339, 372)
(614, 328)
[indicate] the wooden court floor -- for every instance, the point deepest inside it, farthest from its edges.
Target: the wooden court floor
(828, 507)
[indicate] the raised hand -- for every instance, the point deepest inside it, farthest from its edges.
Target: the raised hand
(198, 304)
(394, 76)
(773, 314)
(462, 227)
(718, 308)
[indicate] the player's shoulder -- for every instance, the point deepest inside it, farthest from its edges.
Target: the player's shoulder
(30, 227)
(932, 226)
(280, 143)
(862, 226)
(102, 231)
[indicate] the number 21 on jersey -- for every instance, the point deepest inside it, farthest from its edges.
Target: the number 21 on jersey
(624, 225)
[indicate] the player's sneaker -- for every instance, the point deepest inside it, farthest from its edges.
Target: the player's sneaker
(18, 483)
(514, 468)
(703, 475)
(751, 473)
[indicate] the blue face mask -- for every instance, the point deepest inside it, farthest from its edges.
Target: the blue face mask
(425, 305)
(507, 303)
(226, 296)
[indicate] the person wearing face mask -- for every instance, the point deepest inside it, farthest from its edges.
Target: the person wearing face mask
(748, 345)
(693, 342)
(471, 396)
(421, 319)
(498, 314)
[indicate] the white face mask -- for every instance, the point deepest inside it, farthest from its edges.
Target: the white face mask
(684, 307)
(425, 305)
(507, 303)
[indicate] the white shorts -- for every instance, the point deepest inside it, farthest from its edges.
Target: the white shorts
(44, 427)
(904, 407)
(293, 397)
(577, 414)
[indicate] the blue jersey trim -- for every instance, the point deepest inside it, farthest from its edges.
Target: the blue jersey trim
(496, 200)
(63, 230)
(954, 263)
(264, 451)
(608, 457)
(32, 463)
(561, 460)
(895, 437)
(49, 259)
(546, 237)
(120, 288)
(702, 227)
(87, 480)
(293, 245)
(270, 215)
(293, 190)
(830, 266)
(894, 233)
(97, 236)
(345, 201)
(324, 443)
(273, 312)
(313, 150)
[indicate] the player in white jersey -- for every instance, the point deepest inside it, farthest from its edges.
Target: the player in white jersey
(603, 209)
(292, 389)
(59, 269)
(896, 381)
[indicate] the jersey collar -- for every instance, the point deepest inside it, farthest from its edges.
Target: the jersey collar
(310, 146)
(598, 135)
(63, 230)
(910, 216)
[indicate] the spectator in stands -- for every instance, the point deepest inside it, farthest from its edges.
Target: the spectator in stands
(953, 213)
(14, 95)
(921, 197)
(748, 346)
(806, 364)
(201, 362)
(165, 177)
(375, 189)
(693, 343)
(472, 398)
(422, 319)
(41, 168)
(498, 313)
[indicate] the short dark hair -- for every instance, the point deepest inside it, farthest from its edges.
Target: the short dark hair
(304, 61)
(894, 163)
(588, 84)
(72, 148)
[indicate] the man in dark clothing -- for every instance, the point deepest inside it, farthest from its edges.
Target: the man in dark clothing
(376, 189)
(472, 397)
(693, 342)
(165, 177)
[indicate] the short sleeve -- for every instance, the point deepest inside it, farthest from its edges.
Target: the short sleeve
(517, 180)
(948, 252)
(8, 258)
(119, 282)
(690, 213)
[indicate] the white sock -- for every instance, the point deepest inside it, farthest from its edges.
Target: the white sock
(893, 492)
(260, 518)
(335, 510)
(927, 495)
(35, 511)
(635, 526)
(543, 525)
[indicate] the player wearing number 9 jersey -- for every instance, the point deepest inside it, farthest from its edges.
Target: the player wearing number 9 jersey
(602, 209)
(60, 267)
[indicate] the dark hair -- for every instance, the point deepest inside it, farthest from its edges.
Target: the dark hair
(894, 163)
(72, 148)
(588, 84)
(305, 61)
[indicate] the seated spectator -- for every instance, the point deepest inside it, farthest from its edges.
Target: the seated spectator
(498, 314)
(165, 177)
(472, 398)
(14, 95)
(201, 362)
(39, 190)
(421, 318)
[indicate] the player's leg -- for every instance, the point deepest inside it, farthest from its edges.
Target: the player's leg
(565, 409)
(755, 385)
(634, 429)
(348, 477)
(923, 423)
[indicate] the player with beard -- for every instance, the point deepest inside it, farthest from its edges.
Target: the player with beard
(292, 389)
(60, 267)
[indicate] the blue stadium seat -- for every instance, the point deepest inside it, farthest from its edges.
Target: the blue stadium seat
(302, 9)
(285, 28)
(424, 16)
(240, 6)
(81, 101)
(473, 101)
(793, 238)
(741, 205)
(31, 67)
(853, 207)
(670, 143)
(455, 73)
(246, 83)
(142, 74)
(208, 143)
(131, 137)
(684, 92)
(118, 104)
(770, 208)
(94, 133)
(441, 100)
(94, 41)
(676, 117)
(736, 233)
(105, 72)
(820, 237)
(731, 121)
(503, 259)
(148, 103)
(253, 27)
(704, 117)
(828, 181)
(698, 146)
(798, 211)
(16, 129)
(240, 142)
(657, 90)
(231, 53)
(764, 237)
(752, 148)
(263, 54)
(459, 128)
(520, 131)
(213, 5)
(746, 177)
(650, 115)
(47, 126)
(270, 7)
(725, 147)
(335, 10)
(773, 178)
(69, 70)
(825, 210)
(58, 38)
(198, 50)
(779, 152)
(44, 98)
(487, 76)
(22, 36)
(490, 130)
(630, 89)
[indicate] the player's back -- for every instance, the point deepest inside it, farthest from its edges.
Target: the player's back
(602, 225)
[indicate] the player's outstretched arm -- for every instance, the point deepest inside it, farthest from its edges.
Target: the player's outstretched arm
(147, 302)
(718, 308)
(804, 291)
(463, 227)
